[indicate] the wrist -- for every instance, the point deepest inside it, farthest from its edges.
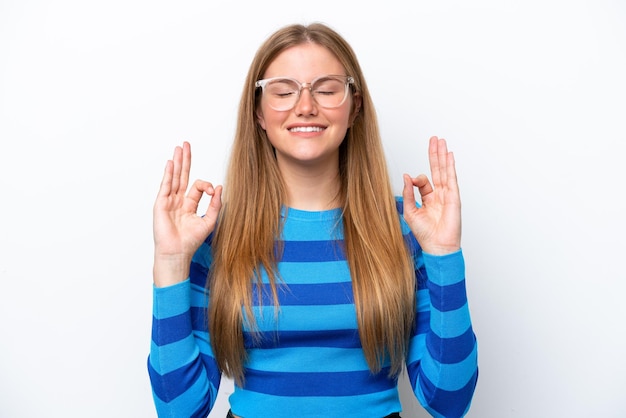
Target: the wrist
(170, 269)
(441, 250)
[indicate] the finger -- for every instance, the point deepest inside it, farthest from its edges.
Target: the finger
(442, 155)
(433, 157)
(215, 205)
(453, 183)
(186, 166)
(408, 195)
(198, 188)
(424, 186)
(166, 182)
(178, 161)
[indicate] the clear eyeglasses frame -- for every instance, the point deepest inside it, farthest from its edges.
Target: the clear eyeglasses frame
(328, 91)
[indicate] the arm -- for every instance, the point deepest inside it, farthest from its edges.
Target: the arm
(182, 370)
(442, 362)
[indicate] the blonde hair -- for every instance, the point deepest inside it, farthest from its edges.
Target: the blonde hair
(250, 223)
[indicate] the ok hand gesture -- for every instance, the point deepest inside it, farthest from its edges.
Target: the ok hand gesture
(437, 223)
(178, 230)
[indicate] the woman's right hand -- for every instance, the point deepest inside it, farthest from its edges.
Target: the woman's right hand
(178, 229)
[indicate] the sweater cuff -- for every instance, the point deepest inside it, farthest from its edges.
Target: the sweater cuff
(171, 300)
(445, 270)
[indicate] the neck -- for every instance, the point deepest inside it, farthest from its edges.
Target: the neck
(312, 189)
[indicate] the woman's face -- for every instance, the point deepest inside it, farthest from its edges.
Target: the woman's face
(307, 135)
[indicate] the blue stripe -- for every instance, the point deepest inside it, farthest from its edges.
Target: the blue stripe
(211, 364)
(450, 376)
(450, 404)
(307, 294)
(171, 300)
(421, 278)
(250, 404)
(445, 269)
(304, 318)
(458, 348)
(450, 324)
(312, 272)
(340, 338)
(318, 384)
(171, 385)
(199, 319)
(167, 358)
(422, 323)
(308, 359)
(198, 274)
(172, 329)
(306, 251)
(202, 411)
(448, 298)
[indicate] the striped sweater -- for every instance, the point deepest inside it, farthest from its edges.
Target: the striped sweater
(309, 361)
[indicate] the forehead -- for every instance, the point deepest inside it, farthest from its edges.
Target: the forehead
(304, 63)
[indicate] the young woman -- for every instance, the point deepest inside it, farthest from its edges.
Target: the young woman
(306, 281)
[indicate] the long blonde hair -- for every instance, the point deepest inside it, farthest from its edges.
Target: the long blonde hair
(250, 223)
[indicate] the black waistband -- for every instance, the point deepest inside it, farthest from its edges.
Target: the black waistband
(394, 415)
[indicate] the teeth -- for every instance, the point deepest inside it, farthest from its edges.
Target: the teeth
(306, 129)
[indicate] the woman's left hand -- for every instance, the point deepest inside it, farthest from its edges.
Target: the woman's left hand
(437, 223)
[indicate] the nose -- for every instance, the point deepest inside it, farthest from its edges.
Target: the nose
(306, 103)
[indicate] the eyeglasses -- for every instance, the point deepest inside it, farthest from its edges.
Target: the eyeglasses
(328, 91)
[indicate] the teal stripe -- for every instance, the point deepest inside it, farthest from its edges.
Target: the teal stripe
(423, 300)
(450, 324)
(417, 346)
(204, 342)
(312, 225)
(188, 402)
(445, 269)
(450, 377)
(171, 300)
(203, 255)
(199, 297)
(308, 359)
(376, 404)
(305, 318)
(167, 358)
(313, 272)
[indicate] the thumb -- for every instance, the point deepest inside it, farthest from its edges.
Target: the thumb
(215, 205)
(408, 193)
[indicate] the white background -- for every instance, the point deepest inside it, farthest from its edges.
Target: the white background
(531, 96)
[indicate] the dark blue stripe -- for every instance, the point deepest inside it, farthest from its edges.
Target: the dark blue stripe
(307, 251)
(210, 365)
(340, 338)
(422, 323)
(421, 277)
(318, 384)
(400, 206)
(171, 385)
(451, 404)
(307, 294)
(172, 329)
(457, 348)
(202, 411)
(199, 319)
(455, 296)
(198, 274)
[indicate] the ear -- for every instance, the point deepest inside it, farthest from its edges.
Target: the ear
(356, 107)
(260, 119)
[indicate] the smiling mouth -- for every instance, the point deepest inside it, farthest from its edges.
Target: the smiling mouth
(306, 129)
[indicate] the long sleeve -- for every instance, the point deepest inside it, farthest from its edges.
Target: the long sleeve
(183, 372)
(442, 362)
